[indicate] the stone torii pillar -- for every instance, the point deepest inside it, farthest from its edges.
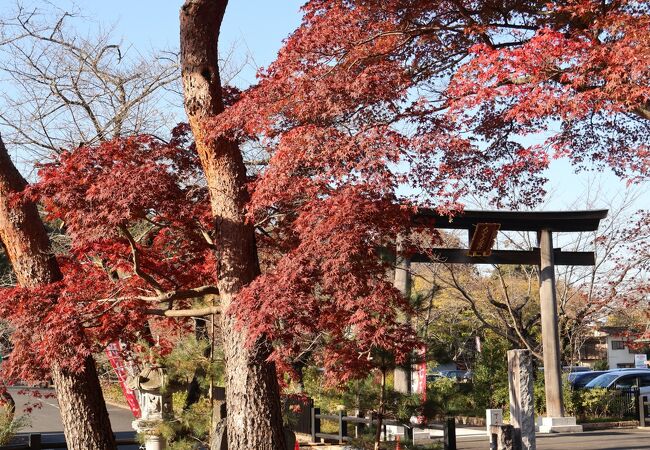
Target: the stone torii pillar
(402, 281)
(550, 332)
(554, 420)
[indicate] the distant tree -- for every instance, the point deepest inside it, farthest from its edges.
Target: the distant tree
(65, 88)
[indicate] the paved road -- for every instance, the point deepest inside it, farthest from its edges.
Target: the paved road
(47, 418)
(591, 440)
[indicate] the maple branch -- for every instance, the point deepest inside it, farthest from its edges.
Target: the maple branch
(494, 302)
(162, 297)
(206, 236)
(136, 261)
(516, 319)
(192, 312)
(256, 162)
(306, 352)
(467, 14)
(533, 320)
(642, 111)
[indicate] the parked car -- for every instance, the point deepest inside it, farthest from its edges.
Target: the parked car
(570, 369)
(576, 369)
(458, 375)
(431, 377)
(579, 380)
(623, 379)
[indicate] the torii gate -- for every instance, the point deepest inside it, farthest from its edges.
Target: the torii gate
(482, 227)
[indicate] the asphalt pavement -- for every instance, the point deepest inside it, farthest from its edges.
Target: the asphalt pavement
(42, 410)
(632, 439)
(45, 416)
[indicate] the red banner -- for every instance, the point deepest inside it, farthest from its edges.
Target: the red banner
(114, 353)
(422, 373)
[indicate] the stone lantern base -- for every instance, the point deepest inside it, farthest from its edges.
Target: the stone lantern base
(150, 428)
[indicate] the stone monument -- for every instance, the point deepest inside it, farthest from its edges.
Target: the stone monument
(522, 399)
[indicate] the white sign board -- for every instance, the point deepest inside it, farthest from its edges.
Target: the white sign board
(641, 361)
(493, 417)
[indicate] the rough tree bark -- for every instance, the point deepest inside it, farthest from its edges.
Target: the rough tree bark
(83, 411)
(252, 394)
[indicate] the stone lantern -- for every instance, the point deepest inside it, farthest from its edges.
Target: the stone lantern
(155, 405)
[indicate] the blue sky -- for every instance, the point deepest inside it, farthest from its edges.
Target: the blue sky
(257, 28)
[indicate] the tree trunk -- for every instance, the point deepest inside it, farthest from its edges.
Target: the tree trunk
(252, 394)
(83, 411)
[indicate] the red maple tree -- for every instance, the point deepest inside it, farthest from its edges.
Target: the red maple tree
(137, 215)
(373, 109)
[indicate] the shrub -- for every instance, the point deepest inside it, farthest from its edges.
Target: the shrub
(10, 425)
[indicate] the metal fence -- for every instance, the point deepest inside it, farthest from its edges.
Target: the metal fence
(624, 403)
(361, 424)
(644, 410)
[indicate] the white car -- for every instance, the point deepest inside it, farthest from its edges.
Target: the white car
(623, 379)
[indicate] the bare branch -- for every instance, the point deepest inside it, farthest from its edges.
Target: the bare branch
(136, 262)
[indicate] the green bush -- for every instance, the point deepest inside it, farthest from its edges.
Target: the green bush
(189, 427)
(601, 403)
(490, 377)
(601, 365)
(10, 425)
(446, 397)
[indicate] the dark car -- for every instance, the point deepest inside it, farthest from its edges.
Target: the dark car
(578, 380)
(431, 377)
(458, 375)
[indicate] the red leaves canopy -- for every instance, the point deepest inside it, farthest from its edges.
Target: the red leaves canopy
(137, 213)
(375, 107)
(584, 65)
(452, 97)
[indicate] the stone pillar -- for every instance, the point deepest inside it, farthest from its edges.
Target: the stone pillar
(550, 334)
(502, 437)
(402, 281)
(219, 438)
(554, 420)
(522, 400)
